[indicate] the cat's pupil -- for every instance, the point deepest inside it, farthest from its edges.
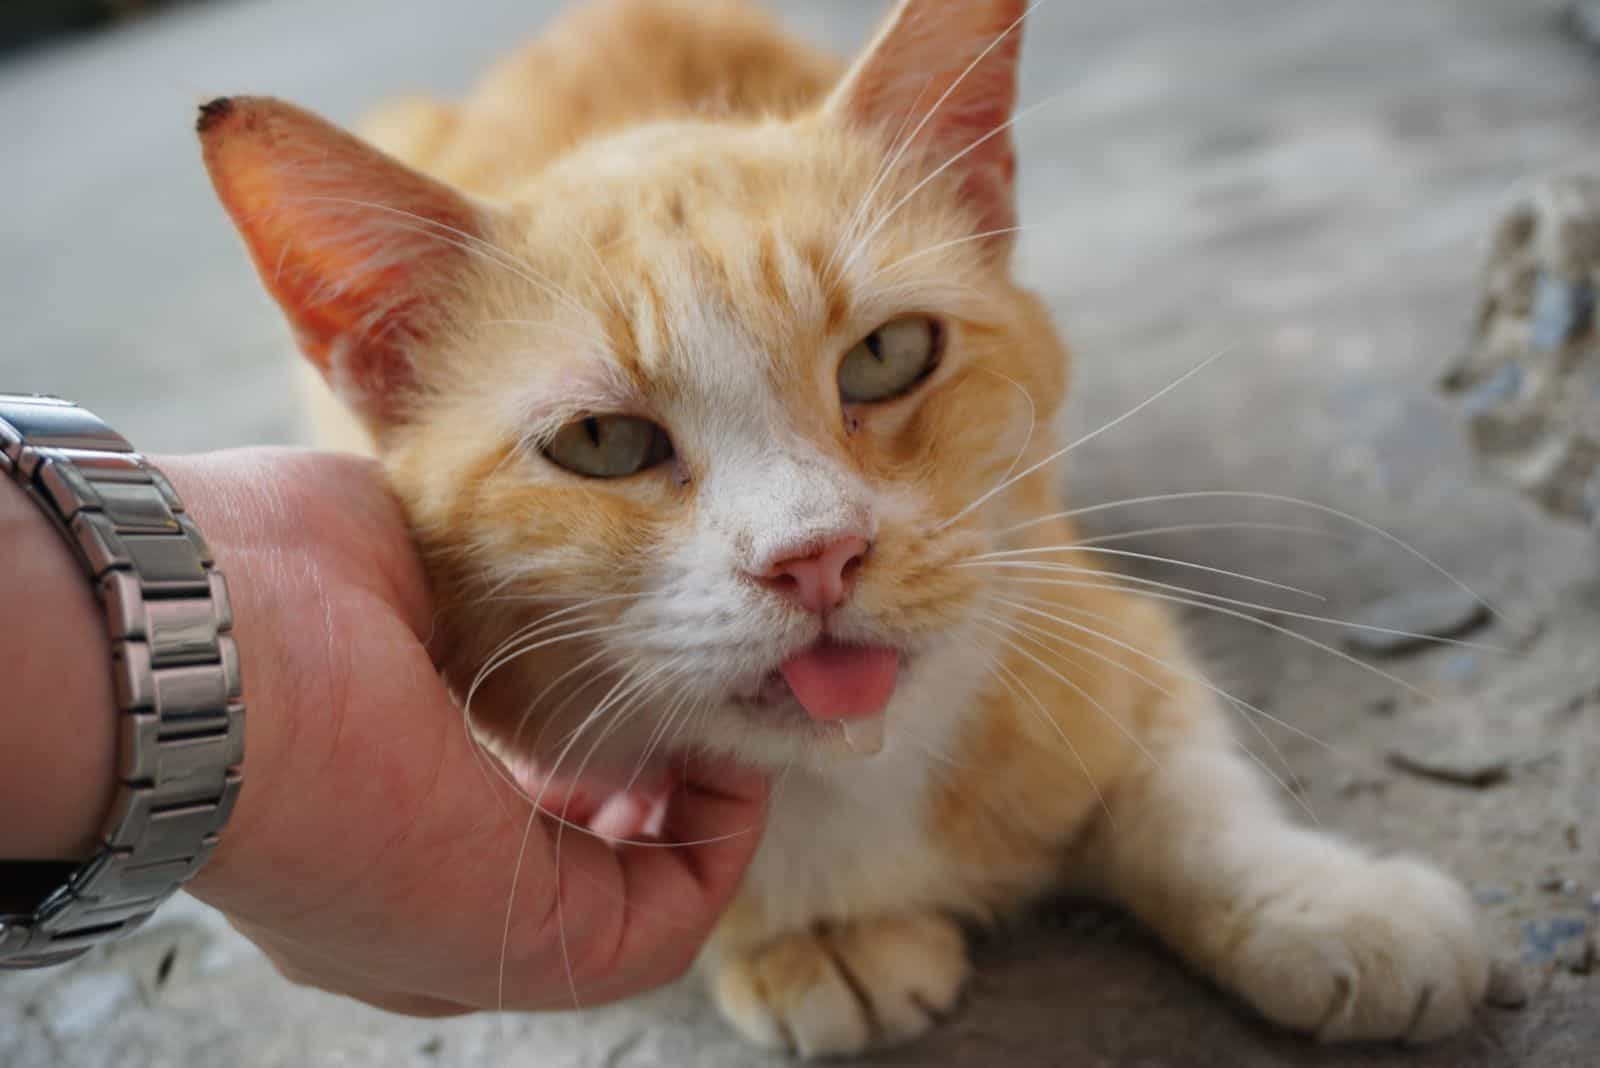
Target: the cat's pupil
(591, 426)
(874, 345)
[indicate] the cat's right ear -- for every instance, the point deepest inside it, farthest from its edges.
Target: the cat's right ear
(943, 73)
(360, 251)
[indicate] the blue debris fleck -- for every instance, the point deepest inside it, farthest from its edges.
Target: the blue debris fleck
(1562, 309)
(1543, 939)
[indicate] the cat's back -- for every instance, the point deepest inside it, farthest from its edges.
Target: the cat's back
(602, 66)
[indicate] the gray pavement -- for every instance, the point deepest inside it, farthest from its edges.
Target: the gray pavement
(1308, 185)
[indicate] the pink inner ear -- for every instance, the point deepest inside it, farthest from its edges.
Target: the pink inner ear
(950, 69)
(354, 246)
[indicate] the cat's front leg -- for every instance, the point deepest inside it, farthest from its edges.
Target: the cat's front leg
(1317, 935)
(841, 988)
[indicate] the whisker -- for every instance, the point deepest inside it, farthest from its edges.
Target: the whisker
(998, 667)
(1192, 676)
(562, 823)
(533, 706)
(1233, 702)
(1191, 528)
(1197, 495)
(469, 243)
(905, 146)
(1296, 635)
(948, 93)
(1173, 561)
(946, 165)
(943, 245)
(680, 700)
(1085, 439)
(485, 760)
(1331, 621)
(885, 168)
(1033, 416)
(1079, 690)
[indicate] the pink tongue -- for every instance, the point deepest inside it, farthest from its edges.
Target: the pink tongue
(842, 681)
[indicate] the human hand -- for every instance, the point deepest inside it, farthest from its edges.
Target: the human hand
(372, 853)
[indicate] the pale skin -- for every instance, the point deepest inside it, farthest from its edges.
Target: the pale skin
(370, 854)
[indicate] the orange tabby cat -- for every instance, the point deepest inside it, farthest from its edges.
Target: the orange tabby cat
(698, 363)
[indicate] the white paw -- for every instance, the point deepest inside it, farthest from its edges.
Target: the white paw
(841, 989)
(1363, 950)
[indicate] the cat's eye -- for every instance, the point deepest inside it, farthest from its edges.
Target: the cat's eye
(609, 446)
(891, 360)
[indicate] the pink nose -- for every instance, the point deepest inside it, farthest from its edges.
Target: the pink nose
(820, 580)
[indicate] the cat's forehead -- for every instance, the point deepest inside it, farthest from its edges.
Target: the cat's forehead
(714, 267)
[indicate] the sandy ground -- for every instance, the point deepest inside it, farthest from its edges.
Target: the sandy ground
(1308, 185)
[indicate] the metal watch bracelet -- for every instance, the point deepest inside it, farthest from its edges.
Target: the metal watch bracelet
(175, 669)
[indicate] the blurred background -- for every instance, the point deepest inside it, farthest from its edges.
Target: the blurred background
(1310, 186)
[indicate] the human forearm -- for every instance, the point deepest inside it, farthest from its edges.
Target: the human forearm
(58, 760)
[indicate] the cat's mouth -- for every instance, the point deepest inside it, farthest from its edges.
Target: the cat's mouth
(836, 690)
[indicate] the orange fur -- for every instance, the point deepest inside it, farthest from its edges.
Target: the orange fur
(697, 236)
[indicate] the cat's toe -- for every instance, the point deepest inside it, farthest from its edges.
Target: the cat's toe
(1383, 950)
(840, 989)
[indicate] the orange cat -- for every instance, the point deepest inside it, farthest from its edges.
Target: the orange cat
(698, 363)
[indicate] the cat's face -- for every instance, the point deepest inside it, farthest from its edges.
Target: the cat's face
(686, 422)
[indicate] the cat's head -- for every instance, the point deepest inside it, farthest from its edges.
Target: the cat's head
(684, 425)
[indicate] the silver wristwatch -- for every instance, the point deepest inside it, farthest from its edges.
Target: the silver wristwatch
(174, 665)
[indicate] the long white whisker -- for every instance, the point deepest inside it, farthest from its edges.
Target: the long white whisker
(894, 209)
(1085, 439)
(1033, 417)
(1258, 621)
(538, 802)
(1173, 561)
(1167, 691)
(1044, 715)
(1192, 676)
(469, 243)
(937, 104)
(1079, 690)
(885, 168)
(1331, 621)
(1198, 495)
(941, 246)
(1191, 528)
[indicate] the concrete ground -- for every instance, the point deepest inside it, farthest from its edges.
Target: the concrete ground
(1307, 185)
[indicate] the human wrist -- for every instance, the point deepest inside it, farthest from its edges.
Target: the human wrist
(58, 763)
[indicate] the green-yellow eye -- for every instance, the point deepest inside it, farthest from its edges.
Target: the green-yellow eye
(891, 360)
(609, 446)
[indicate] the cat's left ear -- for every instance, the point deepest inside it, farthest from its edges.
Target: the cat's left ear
(361, 252)
(943, 75)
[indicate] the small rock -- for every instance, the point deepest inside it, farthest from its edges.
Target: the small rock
(1529, 373)
(1555, 884)
(1584, 962)
(1563, 308)
(1545, 940)
(1448, 613)
(1572, 837)
(1351, 784)
(433, 1046)
(1508, 988)
(1489, 896)
(1385, 706)
(1463, 767)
